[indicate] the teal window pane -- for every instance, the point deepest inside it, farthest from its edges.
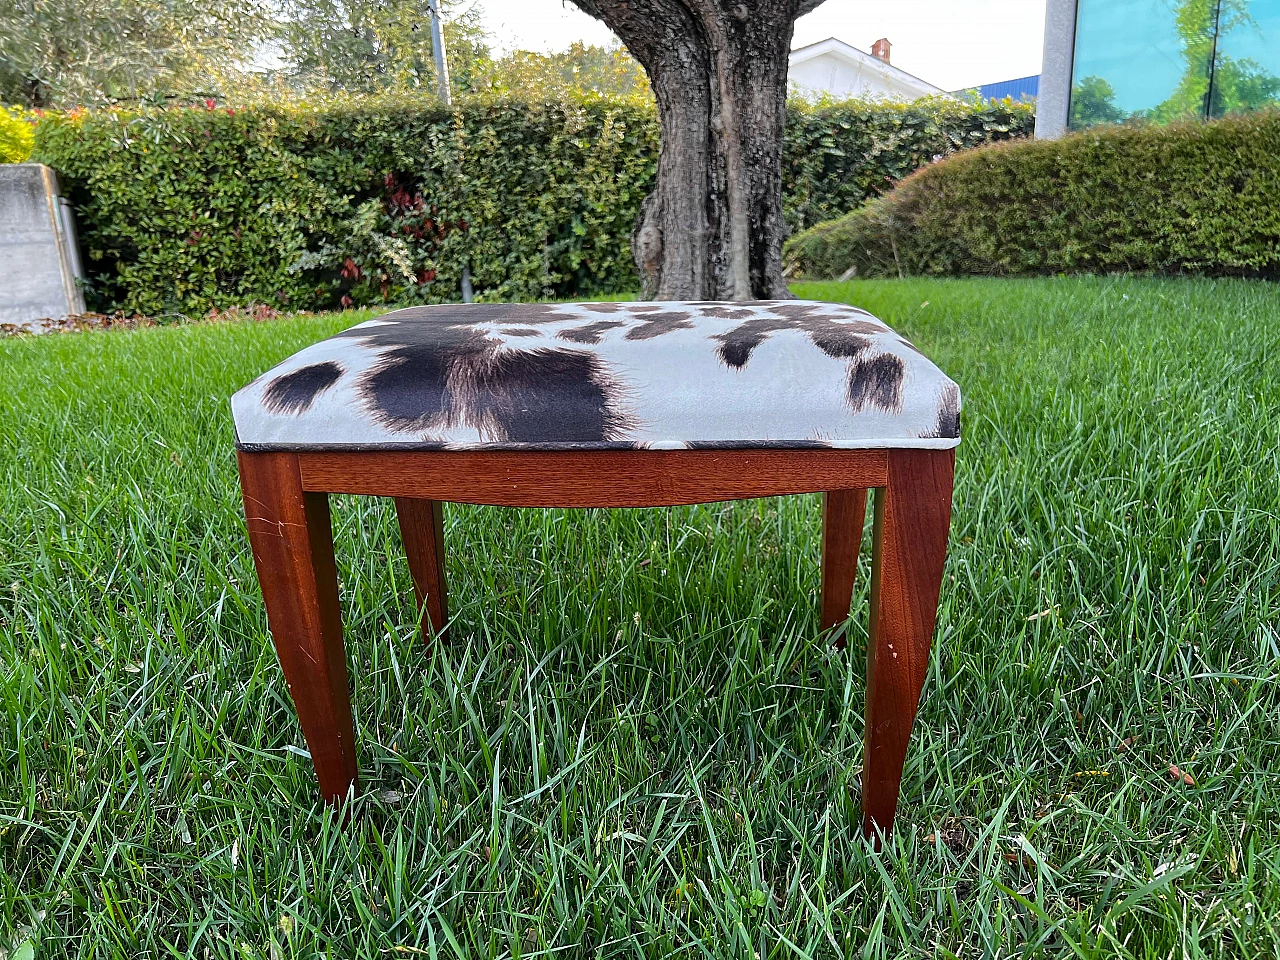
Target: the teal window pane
(1142, 60)
(1246, 70)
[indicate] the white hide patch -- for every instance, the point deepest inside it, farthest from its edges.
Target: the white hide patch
(664, 375)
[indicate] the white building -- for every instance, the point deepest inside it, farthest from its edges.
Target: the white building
(835, 68)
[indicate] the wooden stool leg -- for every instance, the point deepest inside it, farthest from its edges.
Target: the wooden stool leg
(292, 542)
(912, 518)
(422, 529)
(843, 512)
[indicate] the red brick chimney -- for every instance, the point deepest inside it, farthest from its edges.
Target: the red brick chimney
(880, 49)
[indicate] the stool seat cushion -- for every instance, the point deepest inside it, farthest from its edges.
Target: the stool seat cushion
(572, 376)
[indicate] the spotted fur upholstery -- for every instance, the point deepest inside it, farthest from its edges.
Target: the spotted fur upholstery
(604, 375)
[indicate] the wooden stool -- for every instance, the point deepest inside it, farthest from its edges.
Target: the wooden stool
(603, 405)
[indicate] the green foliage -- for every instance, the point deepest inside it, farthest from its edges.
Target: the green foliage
(384, 200)
(360, 202)
(582, 69)
(377, 45)
(63, 53)
(1214, 83)
(1242, 85)
(17, 136)
(67, 52)
(1202, 198)
(839, 153)
(188, 208)
(1093, 101)
(1197, 27)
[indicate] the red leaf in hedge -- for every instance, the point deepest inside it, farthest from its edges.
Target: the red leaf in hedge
(346, 301)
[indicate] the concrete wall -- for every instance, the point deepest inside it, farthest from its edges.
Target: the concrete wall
(1055, 73)
(39, 262)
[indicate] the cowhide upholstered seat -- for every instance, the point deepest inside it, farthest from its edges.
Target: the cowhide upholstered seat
(603, 405)
(605, 375)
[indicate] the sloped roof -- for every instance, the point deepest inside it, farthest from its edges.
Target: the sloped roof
(861, 58)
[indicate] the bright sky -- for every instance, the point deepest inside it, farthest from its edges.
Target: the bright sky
(949, 43)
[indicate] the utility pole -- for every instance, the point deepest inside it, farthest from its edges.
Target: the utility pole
(1213, 62)
(442, 88)
(437, 50)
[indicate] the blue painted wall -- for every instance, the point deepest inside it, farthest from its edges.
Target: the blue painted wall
(1027, 88)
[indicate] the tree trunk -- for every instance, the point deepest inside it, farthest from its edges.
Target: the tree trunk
(712, 229)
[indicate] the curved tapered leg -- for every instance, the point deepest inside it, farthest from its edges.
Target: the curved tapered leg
(292, 543)
(422, 529)
(912, 519)
(843, 512)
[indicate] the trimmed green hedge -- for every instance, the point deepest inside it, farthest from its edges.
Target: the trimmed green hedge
(1193, 198)
(372, 201)
(837, 155)
(187, 209)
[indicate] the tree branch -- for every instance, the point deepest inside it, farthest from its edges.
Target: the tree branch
(589, 8)
(807, 6)
(648, 28)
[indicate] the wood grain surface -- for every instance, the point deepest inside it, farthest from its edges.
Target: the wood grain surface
(422, 530)
(596, 478)
(289, 531)
(912, 520)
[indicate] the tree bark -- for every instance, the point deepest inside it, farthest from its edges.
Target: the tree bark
(712, 229)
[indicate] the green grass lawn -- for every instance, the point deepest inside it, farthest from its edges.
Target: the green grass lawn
(634, 743)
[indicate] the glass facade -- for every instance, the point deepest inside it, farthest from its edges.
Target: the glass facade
(1163, 60)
